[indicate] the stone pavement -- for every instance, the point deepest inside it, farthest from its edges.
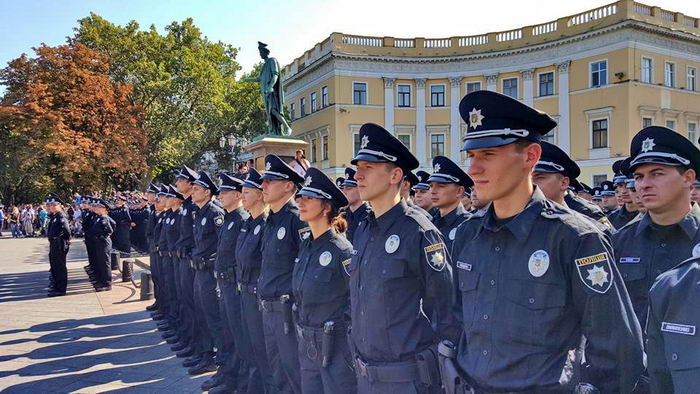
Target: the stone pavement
(84, 342)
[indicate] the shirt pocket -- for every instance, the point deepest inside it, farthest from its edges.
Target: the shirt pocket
(468, 282)
(682, 352)
(635, 278)
(532, 312)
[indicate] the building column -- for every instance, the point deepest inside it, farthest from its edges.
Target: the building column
(491, 81)
(564, 141)
(389, 104)
(455, 132)
(420, 121)
(528, 98)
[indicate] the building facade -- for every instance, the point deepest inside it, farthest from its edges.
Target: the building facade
(602, 75)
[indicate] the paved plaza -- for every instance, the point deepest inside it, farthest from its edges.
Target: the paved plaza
(84, 342)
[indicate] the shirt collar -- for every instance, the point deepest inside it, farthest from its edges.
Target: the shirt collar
(452, 216)
(689, 223)
(521, 225)
(322, 240)
(385, 221)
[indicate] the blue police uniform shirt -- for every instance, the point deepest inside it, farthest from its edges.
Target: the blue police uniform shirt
(157, 229)
(673, 340)
(399, 275)
(448, 224)
(120, 236)
(228, 237)
(101, 227)
(249, 250)
(530, 287)
(163, 234)
(282, 238)
(621, 216)
(354, 218)
(185, 243)
(172, 229)
(152, 218)
(644, 250)
(589, 210)
(137, 235)
(208, 221)
(58, 227)
(320, 280)
(87, 218)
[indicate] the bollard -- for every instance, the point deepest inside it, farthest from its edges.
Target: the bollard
(127, 270)
(115, 259)
(146, 286)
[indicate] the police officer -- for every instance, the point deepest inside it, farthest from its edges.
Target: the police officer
(167, 309)
(628, 210)
(534, 277)
(121, 216)
(139, 214)
(447, 185)
(554, 174)
(238, 369)
(339, 182)
(357, 209)
(151, 193)
(87, 217)
(321, 294)
(609, 199)
(585, 192)
(171, 229)
(665, 165)
(58, 234)
(207, 223)
(156, 264)
(409, 182)
(399, 275)
(248, 263)
(422, 196)
(673, 347)
(101, 229)
(283, 235)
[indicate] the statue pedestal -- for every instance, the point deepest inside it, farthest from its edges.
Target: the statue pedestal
(282, 146)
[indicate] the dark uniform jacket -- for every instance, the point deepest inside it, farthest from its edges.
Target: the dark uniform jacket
(589, 210)
(621, 216)
(172, 229)
(645, 250)
(320, 280)
(58, 228)
(137, 235)
(120, 236)
(207, 223)
(150, 227)
(530, 288)
(228, 238)
(185, 243)
(248, 250)
(448, 224)
(158, 226)
(354, 218)
(399, 275)
(101, 227)
(673, 340)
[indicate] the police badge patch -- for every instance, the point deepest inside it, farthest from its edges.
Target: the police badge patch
(595, 272)
(219, 220)
(436, 256)
(325, 258)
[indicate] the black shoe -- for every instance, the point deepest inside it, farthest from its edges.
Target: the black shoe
(180, 345)
(158, 316)
(223, 388)
(164, 327)
(168, 333)
(192, 361)
(171, 340)
(186, 352)
(55, 293)
(204, 366)
(103, 288)
(152, 307)
(215, 380)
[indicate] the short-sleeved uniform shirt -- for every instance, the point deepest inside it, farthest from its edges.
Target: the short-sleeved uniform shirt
(207, 223)
(228, 237)
(248, 250)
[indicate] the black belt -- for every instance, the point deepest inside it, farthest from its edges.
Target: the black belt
(389, 372)
(250, 289)
(203, 263)
(226, 275)
(272, 305)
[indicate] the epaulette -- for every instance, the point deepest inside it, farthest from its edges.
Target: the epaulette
(552, 211)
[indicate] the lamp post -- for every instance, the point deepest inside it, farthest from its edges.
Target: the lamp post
(233, 142)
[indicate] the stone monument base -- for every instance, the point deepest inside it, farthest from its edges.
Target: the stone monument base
(282, 146)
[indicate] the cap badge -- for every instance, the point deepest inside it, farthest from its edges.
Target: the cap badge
(365, 141)
(307, 182)
(475, 118)
(436, 168)
(648, 144)
(268, 166)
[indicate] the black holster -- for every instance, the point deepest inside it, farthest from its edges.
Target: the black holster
(327, 343)
(428, 367)
(286, 302)
(452, 380)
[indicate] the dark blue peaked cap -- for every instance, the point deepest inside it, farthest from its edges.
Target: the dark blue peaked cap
(187, 173)
(152, 188)
(205, 181)
(339, 181)
(447, 171)
(494, 119)
(620, 176)
(319, 185)
(379, 146)
(277, 170)
(350, 178)
(660, 145)
(555, 160)
(175, 193)
(607, 188)
(229, 182)
(53, 199)
(252, 179)
(423, 183)
(164, 190)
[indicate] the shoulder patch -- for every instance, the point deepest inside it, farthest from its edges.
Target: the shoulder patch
(595, 272)
(436, 256)
(346, 264)
(304, 233)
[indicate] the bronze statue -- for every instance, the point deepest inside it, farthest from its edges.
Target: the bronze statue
(271, 90)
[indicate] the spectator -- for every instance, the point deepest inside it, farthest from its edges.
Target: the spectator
(300, 164)
(15, 223)
(42, 220)
(2, 218)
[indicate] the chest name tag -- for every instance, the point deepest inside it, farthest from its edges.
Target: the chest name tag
(464, 266)
(676, 328)
(629, 260)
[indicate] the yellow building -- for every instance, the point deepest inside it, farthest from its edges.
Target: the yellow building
(602, 74)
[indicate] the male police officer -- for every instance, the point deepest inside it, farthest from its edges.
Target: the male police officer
(151, 193)
(357, 209)
(121, 216)
(282, 237)
(534, 277)
(399, 275)
(628, 210)
(665, 165)
(58, 233)
(422, 196)
(447, 185)
(100, 229)
(609, 199)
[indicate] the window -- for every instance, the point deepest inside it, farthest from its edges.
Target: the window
(437, 145)
(314, 101)
(510, 87)
(312, 151)
(359, 93)
(598, 179)
(546, 84)
(404, 92)
(292, 111)
(437, 95)
(599, 130)
(356, 143)
(670, 74)
(647, 121)
(693, 132)
(302, 107)
(599, 73)
(647, 70)
(324, 97)
(473, 87)
(550, 137)
(405, 140)
(671, 124)
(324, 150)
(692, 84)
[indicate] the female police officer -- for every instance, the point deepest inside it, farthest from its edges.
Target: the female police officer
(320, 285)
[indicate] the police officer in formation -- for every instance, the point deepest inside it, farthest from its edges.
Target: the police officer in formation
(447, 185)
(58, 234)
(98, 235)
(357, 209)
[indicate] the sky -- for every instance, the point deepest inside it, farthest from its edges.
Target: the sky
(289, 27)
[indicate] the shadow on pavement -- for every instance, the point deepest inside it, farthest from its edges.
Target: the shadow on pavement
(33, 285)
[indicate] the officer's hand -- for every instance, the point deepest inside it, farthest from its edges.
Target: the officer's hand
(133, 224)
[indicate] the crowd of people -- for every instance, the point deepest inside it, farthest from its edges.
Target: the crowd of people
(510, 277)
